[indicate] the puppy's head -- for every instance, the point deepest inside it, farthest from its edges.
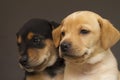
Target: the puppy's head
(83, 35)
(35, 45)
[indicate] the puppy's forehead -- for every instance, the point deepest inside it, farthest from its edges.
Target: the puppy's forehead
(81, 18)
(82, 13)
(36, 26)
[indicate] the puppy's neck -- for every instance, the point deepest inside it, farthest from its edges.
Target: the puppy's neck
(104, 65)
(37, 76)
(45, 75)
(54, 72)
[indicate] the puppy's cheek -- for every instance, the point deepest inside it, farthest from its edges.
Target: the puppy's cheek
(37, 61)
(87, 54)
(41, 66)
(84, 56)
(41, 63)
(36, 56)
(81, 52)
(52, 59)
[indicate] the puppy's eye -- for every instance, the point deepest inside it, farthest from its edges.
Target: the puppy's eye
(84, 31)
(36, 40)
(63, 33)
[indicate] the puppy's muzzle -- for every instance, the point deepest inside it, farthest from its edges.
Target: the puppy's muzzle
(65, 47)
(23, 60)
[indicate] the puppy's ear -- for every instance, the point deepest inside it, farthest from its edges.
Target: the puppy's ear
(54, 24)
(109, 34)
(56, 36)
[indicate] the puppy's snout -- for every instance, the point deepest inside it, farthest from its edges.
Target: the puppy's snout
(23, 60)
(65, 46)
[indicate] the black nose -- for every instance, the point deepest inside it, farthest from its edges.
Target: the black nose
(65, 46)
(23, 60)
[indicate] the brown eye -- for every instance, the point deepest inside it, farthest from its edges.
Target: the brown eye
(37, 40)
(84, 31)
(63, 33)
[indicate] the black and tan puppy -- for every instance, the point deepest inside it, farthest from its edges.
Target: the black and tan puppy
(38, 55)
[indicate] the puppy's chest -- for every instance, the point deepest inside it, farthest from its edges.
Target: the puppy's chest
(95, 76)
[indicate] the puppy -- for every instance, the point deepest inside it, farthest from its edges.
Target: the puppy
(85, 39)
(38, 55)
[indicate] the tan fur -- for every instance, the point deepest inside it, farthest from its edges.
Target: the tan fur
(44, 76)
(110, 35)
(30, 35)
(19, 39)
(92, 58)
(56, 36)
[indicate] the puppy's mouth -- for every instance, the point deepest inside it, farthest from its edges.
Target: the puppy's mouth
(33, 68)
(74, 56)
(79, 59)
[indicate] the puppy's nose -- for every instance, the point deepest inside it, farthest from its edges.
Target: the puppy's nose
(23, 60)
(65, 46)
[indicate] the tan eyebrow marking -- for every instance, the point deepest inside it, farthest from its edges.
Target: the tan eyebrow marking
(30, 35)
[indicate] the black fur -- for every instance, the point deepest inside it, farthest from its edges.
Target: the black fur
(52, 70)
(34, 25)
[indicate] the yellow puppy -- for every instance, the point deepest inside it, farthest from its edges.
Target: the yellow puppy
(85, 39)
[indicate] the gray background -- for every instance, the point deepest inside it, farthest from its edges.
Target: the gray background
(14, 13)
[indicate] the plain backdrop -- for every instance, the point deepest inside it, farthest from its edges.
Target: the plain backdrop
(14, 13)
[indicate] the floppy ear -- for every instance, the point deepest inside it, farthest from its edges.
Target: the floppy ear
(109, 34)
(54, 25)
(56, 36)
